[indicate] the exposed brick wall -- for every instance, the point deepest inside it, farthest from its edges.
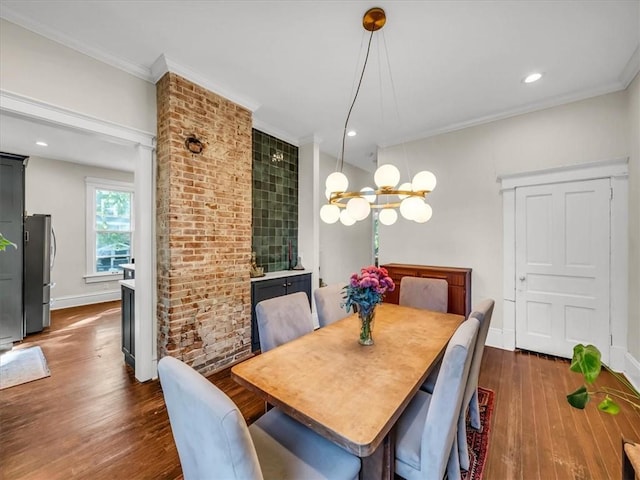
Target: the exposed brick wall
(203, 226)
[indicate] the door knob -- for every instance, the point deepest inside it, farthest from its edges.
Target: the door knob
(522, 278)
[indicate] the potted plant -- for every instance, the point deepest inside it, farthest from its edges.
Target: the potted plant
(587, 361)
(4, 243)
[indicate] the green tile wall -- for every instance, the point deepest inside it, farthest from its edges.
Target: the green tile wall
(275, 201)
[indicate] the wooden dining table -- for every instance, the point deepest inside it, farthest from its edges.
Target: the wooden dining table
(349, 393)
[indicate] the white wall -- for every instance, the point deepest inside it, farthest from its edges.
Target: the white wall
(466, 227)
(58, 188)
(36, 67)
(344, 250)
(634, 219)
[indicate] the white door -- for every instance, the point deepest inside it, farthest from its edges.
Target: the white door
(562, 267)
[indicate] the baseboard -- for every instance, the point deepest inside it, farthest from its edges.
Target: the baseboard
(85, 299)
(632, 370)
(500, 339)
(494, 338)
(617, 360)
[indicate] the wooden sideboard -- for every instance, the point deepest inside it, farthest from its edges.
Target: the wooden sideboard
(458, 279)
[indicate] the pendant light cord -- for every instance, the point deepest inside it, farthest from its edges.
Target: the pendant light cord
(346, 122)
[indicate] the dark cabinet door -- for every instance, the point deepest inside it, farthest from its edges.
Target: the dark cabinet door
(301, 283)
(276, 287)
(11, 260)
(128, 325)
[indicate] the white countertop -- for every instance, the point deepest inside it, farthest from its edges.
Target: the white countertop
(280, 274)
(130, 266)
(128, 283)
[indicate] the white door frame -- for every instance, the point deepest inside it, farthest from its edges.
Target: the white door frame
(617, 171)
(144, 201)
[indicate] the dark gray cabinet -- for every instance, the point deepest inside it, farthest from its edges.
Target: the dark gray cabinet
(271, 288)
(11, 260)
(129, 273)
(128, 325)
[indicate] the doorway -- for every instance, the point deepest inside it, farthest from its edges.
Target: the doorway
(545, 303)
(141, 146)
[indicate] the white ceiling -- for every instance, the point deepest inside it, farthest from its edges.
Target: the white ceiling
(453, 63)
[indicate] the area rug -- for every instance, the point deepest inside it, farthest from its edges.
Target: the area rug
(21, 366)
(479, 441)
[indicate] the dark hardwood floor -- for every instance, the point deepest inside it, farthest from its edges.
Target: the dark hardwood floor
(92, 419)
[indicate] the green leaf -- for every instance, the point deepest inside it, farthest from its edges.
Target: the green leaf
(586, 360)
(609, 406)
(579, 398)
(4, 243)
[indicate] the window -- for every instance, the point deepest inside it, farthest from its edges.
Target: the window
(109, 228)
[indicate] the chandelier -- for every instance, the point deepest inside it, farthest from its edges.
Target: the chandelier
(352, 206)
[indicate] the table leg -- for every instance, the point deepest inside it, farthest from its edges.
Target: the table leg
(381, 463)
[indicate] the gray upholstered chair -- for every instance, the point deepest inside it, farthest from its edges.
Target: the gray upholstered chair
(328, 304)
(213, 440)
(282, 319)
(483, 312)
(425, 293)
(426, 444)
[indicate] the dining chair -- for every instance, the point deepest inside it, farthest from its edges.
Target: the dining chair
(282, 319)
(428, 385)
(483, 312)
(425, 293)
(329, 301)
(426, 431)
(213, 440)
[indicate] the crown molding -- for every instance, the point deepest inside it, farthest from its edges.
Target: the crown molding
(631, 69)
(275, 132)
(313, 138)
(16, 104)
(528, 108)
(38, 28)
(163, 64)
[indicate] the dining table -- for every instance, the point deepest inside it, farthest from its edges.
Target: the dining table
(349, 393)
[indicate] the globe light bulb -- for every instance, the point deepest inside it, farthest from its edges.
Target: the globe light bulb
(368, 194)
(358, 208)
(424, 180)
(424, 213)
(409, 207)
(388, 216)
(405, 186)
(337, 182)
(386, 176)
(330, 213)
(346, 219)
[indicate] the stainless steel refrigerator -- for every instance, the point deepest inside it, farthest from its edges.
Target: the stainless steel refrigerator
(39, 255)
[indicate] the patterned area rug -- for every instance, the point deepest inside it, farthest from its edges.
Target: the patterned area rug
(479, 441)
(21, 366)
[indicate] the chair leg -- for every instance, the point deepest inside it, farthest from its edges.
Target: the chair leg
(461, 443)
(453, 464)
(474, 412)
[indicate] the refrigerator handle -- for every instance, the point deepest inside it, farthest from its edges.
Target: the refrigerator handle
(54, 247)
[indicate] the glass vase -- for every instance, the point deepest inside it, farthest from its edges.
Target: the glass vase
(366, 325)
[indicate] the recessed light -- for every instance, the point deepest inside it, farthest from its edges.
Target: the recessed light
(40, 143)
(351, 133)
(533, 77)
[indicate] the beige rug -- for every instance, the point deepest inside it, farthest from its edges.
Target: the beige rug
(21, 366)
